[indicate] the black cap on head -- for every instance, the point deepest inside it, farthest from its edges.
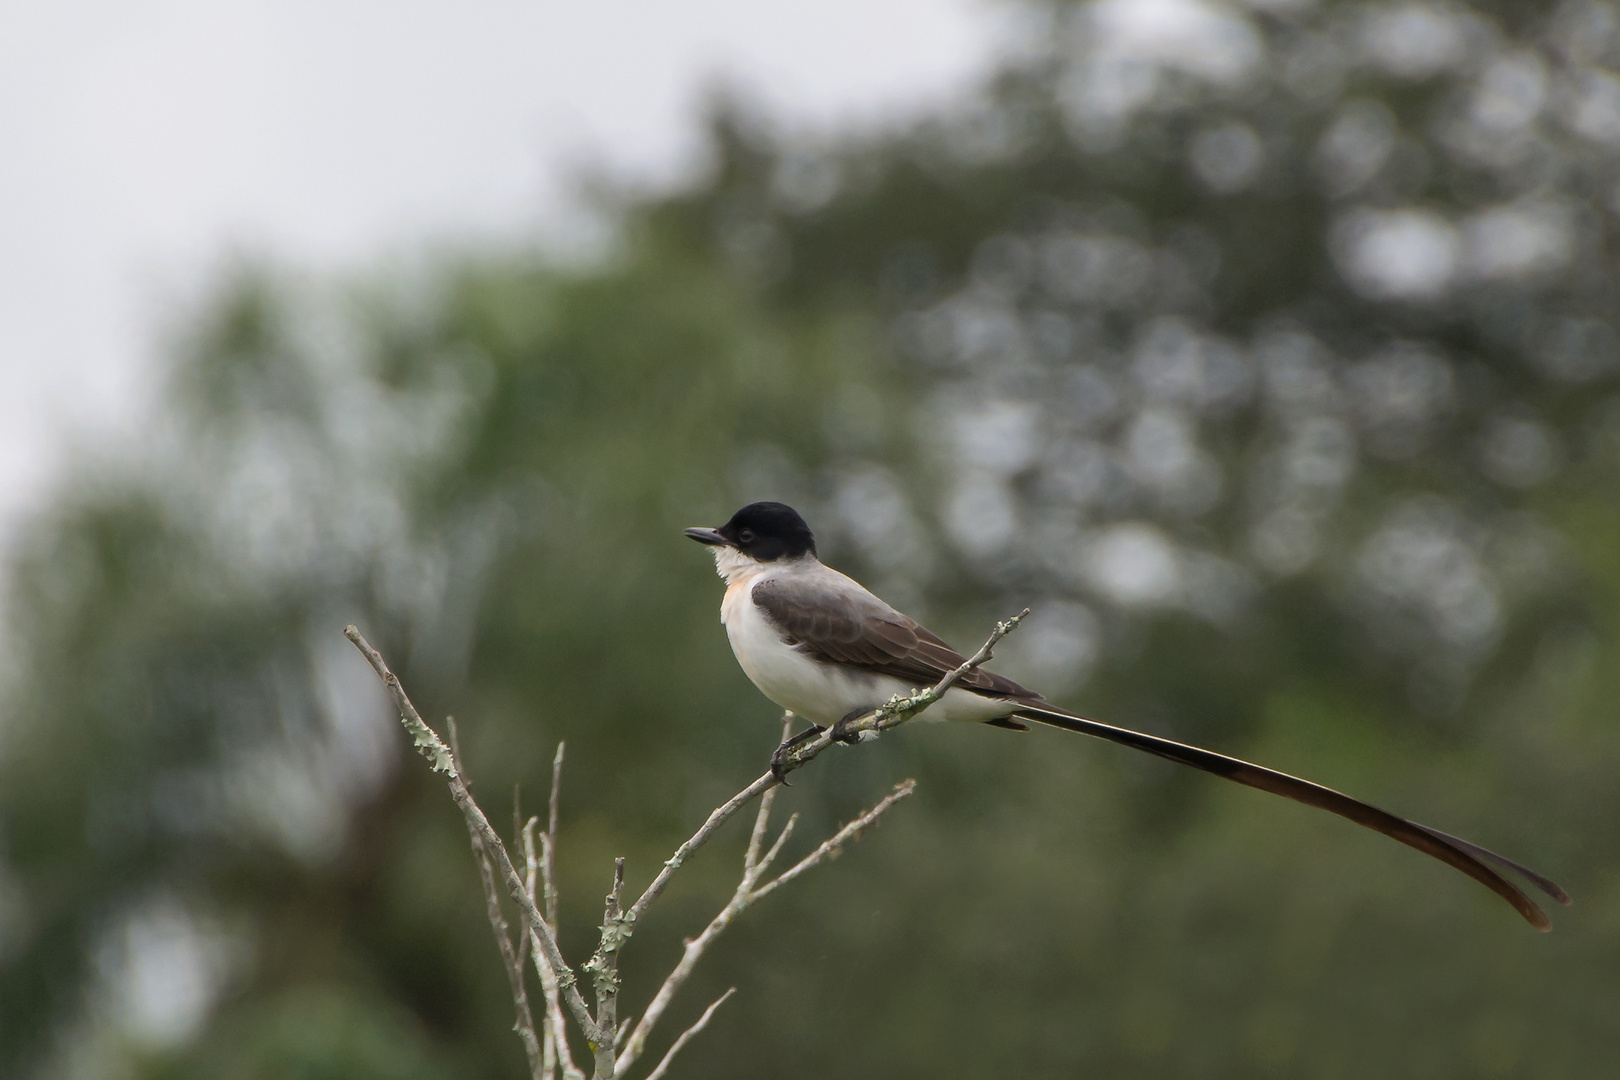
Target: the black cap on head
(765, 531)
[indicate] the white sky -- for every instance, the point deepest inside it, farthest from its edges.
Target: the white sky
(141, 143)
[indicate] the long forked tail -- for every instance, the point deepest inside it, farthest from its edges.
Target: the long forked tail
(1469, 858)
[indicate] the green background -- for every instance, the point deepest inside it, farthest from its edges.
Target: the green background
(1116, 340)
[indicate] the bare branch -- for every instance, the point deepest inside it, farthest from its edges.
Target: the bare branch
(511, 959)
(762, 820)
(690, 955)
(830, 847)
(718, 817)
(549, 863)
(522, 835)
(741, 900)
(524, 1024)
(603, 968)
(555, 1029)
(518, 828)
(764, 864)
(525, 841)
(686, 1036)
(548, 983)
(438, 754)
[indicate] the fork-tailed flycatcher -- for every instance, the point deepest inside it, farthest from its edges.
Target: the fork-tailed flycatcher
(821, 646)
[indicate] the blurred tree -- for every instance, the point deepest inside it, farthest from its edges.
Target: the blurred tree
(1268, 351)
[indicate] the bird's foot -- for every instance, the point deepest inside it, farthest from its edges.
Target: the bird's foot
(842, 734)
(780, 758)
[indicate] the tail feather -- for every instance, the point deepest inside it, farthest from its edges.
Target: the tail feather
(1469, 858)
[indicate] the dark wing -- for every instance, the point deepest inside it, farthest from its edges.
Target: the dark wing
(834, 620)
(1469, 858)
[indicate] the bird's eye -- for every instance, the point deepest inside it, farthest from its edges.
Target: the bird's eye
(746, 536)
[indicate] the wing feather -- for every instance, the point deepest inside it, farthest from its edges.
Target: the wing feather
(832, 619)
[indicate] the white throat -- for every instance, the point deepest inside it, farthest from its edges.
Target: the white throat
(739, 569)
(733, 565)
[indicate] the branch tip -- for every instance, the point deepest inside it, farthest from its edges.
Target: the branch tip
(687, 1035)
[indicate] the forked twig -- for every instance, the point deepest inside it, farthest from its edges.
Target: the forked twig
(548, 1049)
(748, 891)
(831, 846)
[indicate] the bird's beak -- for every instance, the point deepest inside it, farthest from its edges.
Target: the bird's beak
(707, 536)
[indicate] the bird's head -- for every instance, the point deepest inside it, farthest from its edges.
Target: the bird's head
(760, 532)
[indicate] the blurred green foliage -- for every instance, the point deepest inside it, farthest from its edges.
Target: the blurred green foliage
(1270, 356)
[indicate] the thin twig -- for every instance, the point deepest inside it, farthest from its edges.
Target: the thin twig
(754, 864)
(764, 864)
(517, 811)
(511, 958)
(743, 898)
(519, 827)
(830, 847)
(438, 754)
(553, 992)
(556, 1028)
(756, 839)
(548, 864)
(686, 1036)
(690, 955)
(524, 1024)
(718, 817)
(548, 1044)
(548, 882)
(521, 837)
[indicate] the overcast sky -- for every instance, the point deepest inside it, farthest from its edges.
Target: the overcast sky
(140, 144)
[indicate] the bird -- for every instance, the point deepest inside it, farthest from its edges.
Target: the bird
(823, 647)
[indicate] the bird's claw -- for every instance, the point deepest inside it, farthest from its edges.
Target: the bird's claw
(842, 734)
(779, 759)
